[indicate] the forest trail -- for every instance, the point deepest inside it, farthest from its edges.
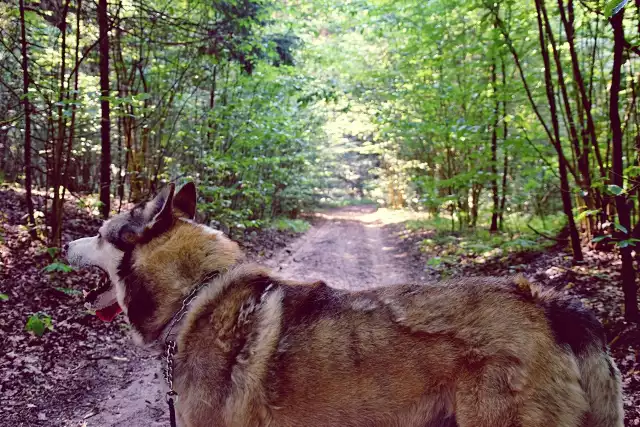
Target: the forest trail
(347, 248)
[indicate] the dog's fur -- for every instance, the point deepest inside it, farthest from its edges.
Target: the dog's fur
(257, 350)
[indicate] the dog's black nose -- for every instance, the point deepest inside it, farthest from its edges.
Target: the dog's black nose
(65, 248)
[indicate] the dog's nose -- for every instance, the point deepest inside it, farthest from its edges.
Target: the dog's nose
(65, 249)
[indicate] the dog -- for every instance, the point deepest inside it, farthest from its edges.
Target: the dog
(255, 350)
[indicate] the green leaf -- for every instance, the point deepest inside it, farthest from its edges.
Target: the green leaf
(615, 190)
(587, 213)
(435, 261)
(4, 297)
(626, 243)
(53, 252)
(614, 6)
(621, 228)
(632, 171)
(599, 238)
(57, 266)
(69, 291)
(38, 323)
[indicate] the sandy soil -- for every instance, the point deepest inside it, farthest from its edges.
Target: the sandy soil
(348, 248)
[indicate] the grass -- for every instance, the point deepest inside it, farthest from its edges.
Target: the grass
(327, 203)
(287, 224)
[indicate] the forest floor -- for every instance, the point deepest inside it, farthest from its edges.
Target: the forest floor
(87, 373)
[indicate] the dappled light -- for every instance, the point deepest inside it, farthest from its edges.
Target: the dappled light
(359, 143)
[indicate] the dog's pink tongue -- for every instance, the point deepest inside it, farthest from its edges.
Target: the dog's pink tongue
(109, 313)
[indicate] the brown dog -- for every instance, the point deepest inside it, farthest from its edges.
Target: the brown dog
(257, 350)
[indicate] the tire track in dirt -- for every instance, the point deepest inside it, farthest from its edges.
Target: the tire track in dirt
(347, 248)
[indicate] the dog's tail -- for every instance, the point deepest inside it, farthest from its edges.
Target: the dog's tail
(578, 329)
(602, 385)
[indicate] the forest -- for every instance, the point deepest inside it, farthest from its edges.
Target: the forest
(508, 129)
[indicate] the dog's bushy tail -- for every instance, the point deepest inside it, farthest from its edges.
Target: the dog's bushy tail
(603, 387)
(578, 329)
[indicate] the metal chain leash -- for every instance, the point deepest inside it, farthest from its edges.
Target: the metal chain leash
(171, 346)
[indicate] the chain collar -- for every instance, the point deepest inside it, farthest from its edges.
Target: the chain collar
(171, 346)
(170, 343)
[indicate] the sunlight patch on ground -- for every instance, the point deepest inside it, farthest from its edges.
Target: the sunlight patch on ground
(372, 216)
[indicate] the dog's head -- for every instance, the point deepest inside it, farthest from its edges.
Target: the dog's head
(153, 256)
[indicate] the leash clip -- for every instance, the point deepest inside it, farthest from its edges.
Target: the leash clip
(171, 395)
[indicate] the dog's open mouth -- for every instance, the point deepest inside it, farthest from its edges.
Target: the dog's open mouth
(103, 300)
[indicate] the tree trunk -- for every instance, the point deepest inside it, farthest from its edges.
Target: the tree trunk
(211, 123)
(584, 178)
(494, 152)
(74, 100)
(628, 271)
(57, 211)
(476, 190)
(31, 222)
(565, 190)
(577, 76)
(105, 161)
(505, 166)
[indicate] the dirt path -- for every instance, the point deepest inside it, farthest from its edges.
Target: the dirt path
(347, 248)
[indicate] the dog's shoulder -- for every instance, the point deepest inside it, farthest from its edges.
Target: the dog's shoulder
(307, 302)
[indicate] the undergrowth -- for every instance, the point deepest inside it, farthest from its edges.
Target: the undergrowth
(287, 224)
(518, 235)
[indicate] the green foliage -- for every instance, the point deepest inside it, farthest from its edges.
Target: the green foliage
(53, 252)
(612, 7)
(621, 228)
(4, 297)
(615, 190)
(57, 266)
(479, 243)
(69, 291)
(295, 225)
(342, 202)
(39, 323)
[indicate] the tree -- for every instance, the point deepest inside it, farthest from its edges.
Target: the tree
(105, 124)
(31, 223)
(628, 272)
(565, 190)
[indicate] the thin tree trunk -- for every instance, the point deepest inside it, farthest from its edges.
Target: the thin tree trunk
(628, 272)
(577, 76)
(565, 190)
(211, 123)
(55, 220)
(27, 124)
(494, 151)
(105, 162)
(72, 126)
(505, 153)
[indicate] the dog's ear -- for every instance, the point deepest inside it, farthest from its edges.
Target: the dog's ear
(161, 207)
(162, 201)
(185, 200)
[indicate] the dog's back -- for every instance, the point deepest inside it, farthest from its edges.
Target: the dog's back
(472, 352)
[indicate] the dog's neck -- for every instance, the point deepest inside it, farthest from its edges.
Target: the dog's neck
(174, 326)
(160, 275)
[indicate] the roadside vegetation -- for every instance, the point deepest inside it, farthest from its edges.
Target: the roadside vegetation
(509, 130)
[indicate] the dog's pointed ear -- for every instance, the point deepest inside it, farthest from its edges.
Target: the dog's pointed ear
(185, 200)
(165, 199)
(161, 209)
